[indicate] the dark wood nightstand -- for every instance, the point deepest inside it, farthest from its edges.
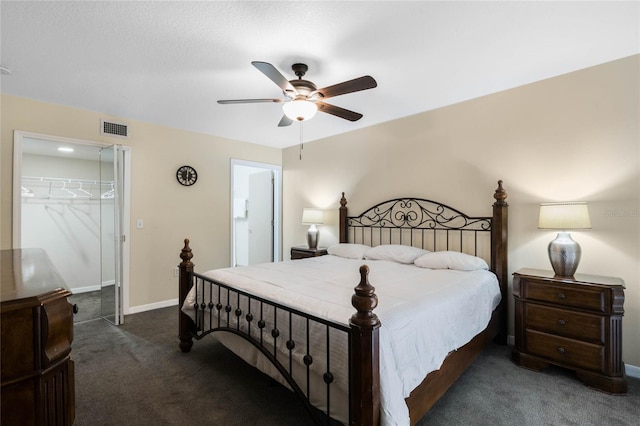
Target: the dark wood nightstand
(573, 323)
(304, 252)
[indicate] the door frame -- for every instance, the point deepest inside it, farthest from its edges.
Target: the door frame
(277, 206)
(18, 136)
(115, 164)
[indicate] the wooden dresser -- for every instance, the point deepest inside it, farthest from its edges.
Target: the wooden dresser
(36, 334)
(573, 323)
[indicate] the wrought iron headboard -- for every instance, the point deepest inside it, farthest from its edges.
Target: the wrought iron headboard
(421, 223)
(436, 226)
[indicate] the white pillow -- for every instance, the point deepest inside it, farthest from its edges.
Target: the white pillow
(350, 251)
(451, 260)
(394, 252)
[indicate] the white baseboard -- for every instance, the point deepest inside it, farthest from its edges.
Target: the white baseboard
(152, 306)
(87, 289)
(630, 370)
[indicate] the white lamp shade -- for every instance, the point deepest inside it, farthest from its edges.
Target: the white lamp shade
(300, 109)
(312, 217)
(564, 216)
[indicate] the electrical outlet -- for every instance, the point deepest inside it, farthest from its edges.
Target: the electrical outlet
(176, 272)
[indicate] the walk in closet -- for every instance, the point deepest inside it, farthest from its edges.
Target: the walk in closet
(68, 208)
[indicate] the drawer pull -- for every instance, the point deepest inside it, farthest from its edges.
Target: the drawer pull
(562, 350)
(561, 296)
(562, 322)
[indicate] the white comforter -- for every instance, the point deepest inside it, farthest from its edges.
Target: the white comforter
(425, 313)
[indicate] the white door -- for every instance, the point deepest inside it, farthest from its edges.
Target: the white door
(111, 234)
(260, 217)
(265, 202)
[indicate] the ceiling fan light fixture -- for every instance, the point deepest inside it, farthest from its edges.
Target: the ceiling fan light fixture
(300, 109)
(302, 98)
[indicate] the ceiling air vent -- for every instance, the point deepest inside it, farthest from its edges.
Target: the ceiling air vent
(114, 129)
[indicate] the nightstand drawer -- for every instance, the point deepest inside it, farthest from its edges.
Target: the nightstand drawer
(566, 351)
(578, 297)
(565, 323)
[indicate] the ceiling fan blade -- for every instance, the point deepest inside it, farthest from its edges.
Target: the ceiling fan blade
(355, 85)
(285, 121)
(274, 75)
(338, 111)
(248, 101)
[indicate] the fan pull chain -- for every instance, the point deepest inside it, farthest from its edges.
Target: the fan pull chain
(301, 140)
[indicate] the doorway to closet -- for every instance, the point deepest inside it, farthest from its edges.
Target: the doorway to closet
(70, 199)
(255, 212)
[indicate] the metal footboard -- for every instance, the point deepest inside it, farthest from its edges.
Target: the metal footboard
(299, 345)
(227, 309)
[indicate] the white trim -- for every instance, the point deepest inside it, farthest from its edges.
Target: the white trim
(632, 371)
(90, 288)
(17, 184)
(126, 216)
(152, 306)
(87, 289)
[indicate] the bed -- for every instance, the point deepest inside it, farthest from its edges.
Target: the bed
(356, 351)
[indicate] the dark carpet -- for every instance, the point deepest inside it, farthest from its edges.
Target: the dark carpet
(135, 374)
(89, 305)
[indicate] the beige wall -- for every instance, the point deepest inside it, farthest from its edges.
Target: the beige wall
(574, 137)
(156, 153)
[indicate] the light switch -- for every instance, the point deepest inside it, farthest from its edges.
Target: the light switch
(140, 224)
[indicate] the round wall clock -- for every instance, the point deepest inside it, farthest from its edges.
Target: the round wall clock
(186, 175)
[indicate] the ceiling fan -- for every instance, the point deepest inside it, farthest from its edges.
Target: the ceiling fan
(302, 97)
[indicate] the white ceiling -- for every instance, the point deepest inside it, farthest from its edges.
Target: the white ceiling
(169, 62)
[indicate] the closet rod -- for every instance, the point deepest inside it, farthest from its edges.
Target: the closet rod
(52, 179)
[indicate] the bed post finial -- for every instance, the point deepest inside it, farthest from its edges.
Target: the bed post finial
(365, 301)
(184, 282)
(186, 254)
(343, 220)
(364, 381)
(500, 195)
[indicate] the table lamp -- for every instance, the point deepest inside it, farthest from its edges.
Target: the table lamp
(564, 252)
(312, 217)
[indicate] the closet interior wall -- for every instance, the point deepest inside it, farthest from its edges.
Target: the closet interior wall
(62, 215)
